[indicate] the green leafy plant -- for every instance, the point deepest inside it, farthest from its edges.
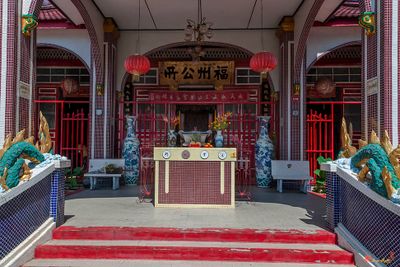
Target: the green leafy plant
(71, 177)
(196, 137)
(320, 185)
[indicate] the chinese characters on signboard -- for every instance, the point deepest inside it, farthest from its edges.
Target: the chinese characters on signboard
(197, 96)
(217, 73)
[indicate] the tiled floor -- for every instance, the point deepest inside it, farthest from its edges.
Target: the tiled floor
(268, 209)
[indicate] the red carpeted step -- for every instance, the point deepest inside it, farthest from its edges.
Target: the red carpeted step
(289, 255)
(195, 234)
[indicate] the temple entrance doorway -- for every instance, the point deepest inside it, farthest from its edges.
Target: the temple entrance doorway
(196, 117)
(62, 95)
(333, 93)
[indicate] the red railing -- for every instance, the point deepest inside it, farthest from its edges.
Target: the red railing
(321, 130)
(320, 138)
(74, 142)
(70, 131)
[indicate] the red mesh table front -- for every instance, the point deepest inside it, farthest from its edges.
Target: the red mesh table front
(194, 183)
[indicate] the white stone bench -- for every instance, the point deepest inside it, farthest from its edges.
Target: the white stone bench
(96, 170)
(291, 170)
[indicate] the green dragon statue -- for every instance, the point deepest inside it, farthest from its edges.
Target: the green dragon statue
(13, 168)
(377, 158)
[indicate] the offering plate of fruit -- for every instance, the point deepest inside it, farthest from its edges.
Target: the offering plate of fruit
(194, 144)
(208, 145)
(198, 144)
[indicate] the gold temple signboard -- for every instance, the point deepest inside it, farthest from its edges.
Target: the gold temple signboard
(217, 73)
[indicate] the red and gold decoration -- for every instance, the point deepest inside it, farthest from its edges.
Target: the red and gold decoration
(217, 73)
(263, 62)
(69, 86)
(99, 89)
(137, 65)
(296, 89)
(296, 92)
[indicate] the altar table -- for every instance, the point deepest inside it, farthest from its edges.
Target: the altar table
(194, 177)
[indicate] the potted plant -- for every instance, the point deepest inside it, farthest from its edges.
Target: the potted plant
(320, 185)
(71, 178)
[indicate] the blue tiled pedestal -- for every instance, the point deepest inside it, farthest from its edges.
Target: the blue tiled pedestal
(333, 212)
(57, 201)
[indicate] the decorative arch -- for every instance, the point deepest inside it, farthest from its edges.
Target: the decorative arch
(33, 7)
(301, 47)
(182, 44)
(245, 51)
(332, 50)
(44, 45)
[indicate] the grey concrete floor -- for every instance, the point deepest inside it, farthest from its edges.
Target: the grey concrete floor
(268, 209)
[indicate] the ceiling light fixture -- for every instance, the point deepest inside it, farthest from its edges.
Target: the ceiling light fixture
(198, 32)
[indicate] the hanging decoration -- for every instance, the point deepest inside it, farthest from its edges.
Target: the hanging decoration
(69, 86)
(264, 61)
(367, 21)
(198, 31)
(325, 86)
(137, 64)
(29, 23)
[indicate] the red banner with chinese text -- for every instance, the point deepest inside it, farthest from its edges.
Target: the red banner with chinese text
(197, 96)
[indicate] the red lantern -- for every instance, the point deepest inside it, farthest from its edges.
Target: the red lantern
(137, 65)
(263, 62)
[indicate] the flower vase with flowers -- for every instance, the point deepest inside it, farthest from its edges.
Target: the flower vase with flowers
(220, 123)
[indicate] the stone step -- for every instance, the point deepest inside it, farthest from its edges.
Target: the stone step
(162, 243)
(185, 250)
(195, 234)
(160, 263)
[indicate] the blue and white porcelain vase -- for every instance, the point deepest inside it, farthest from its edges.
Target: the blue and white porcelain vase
(219, 139)
(172, 137)
(130, 152)
(264, 152)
